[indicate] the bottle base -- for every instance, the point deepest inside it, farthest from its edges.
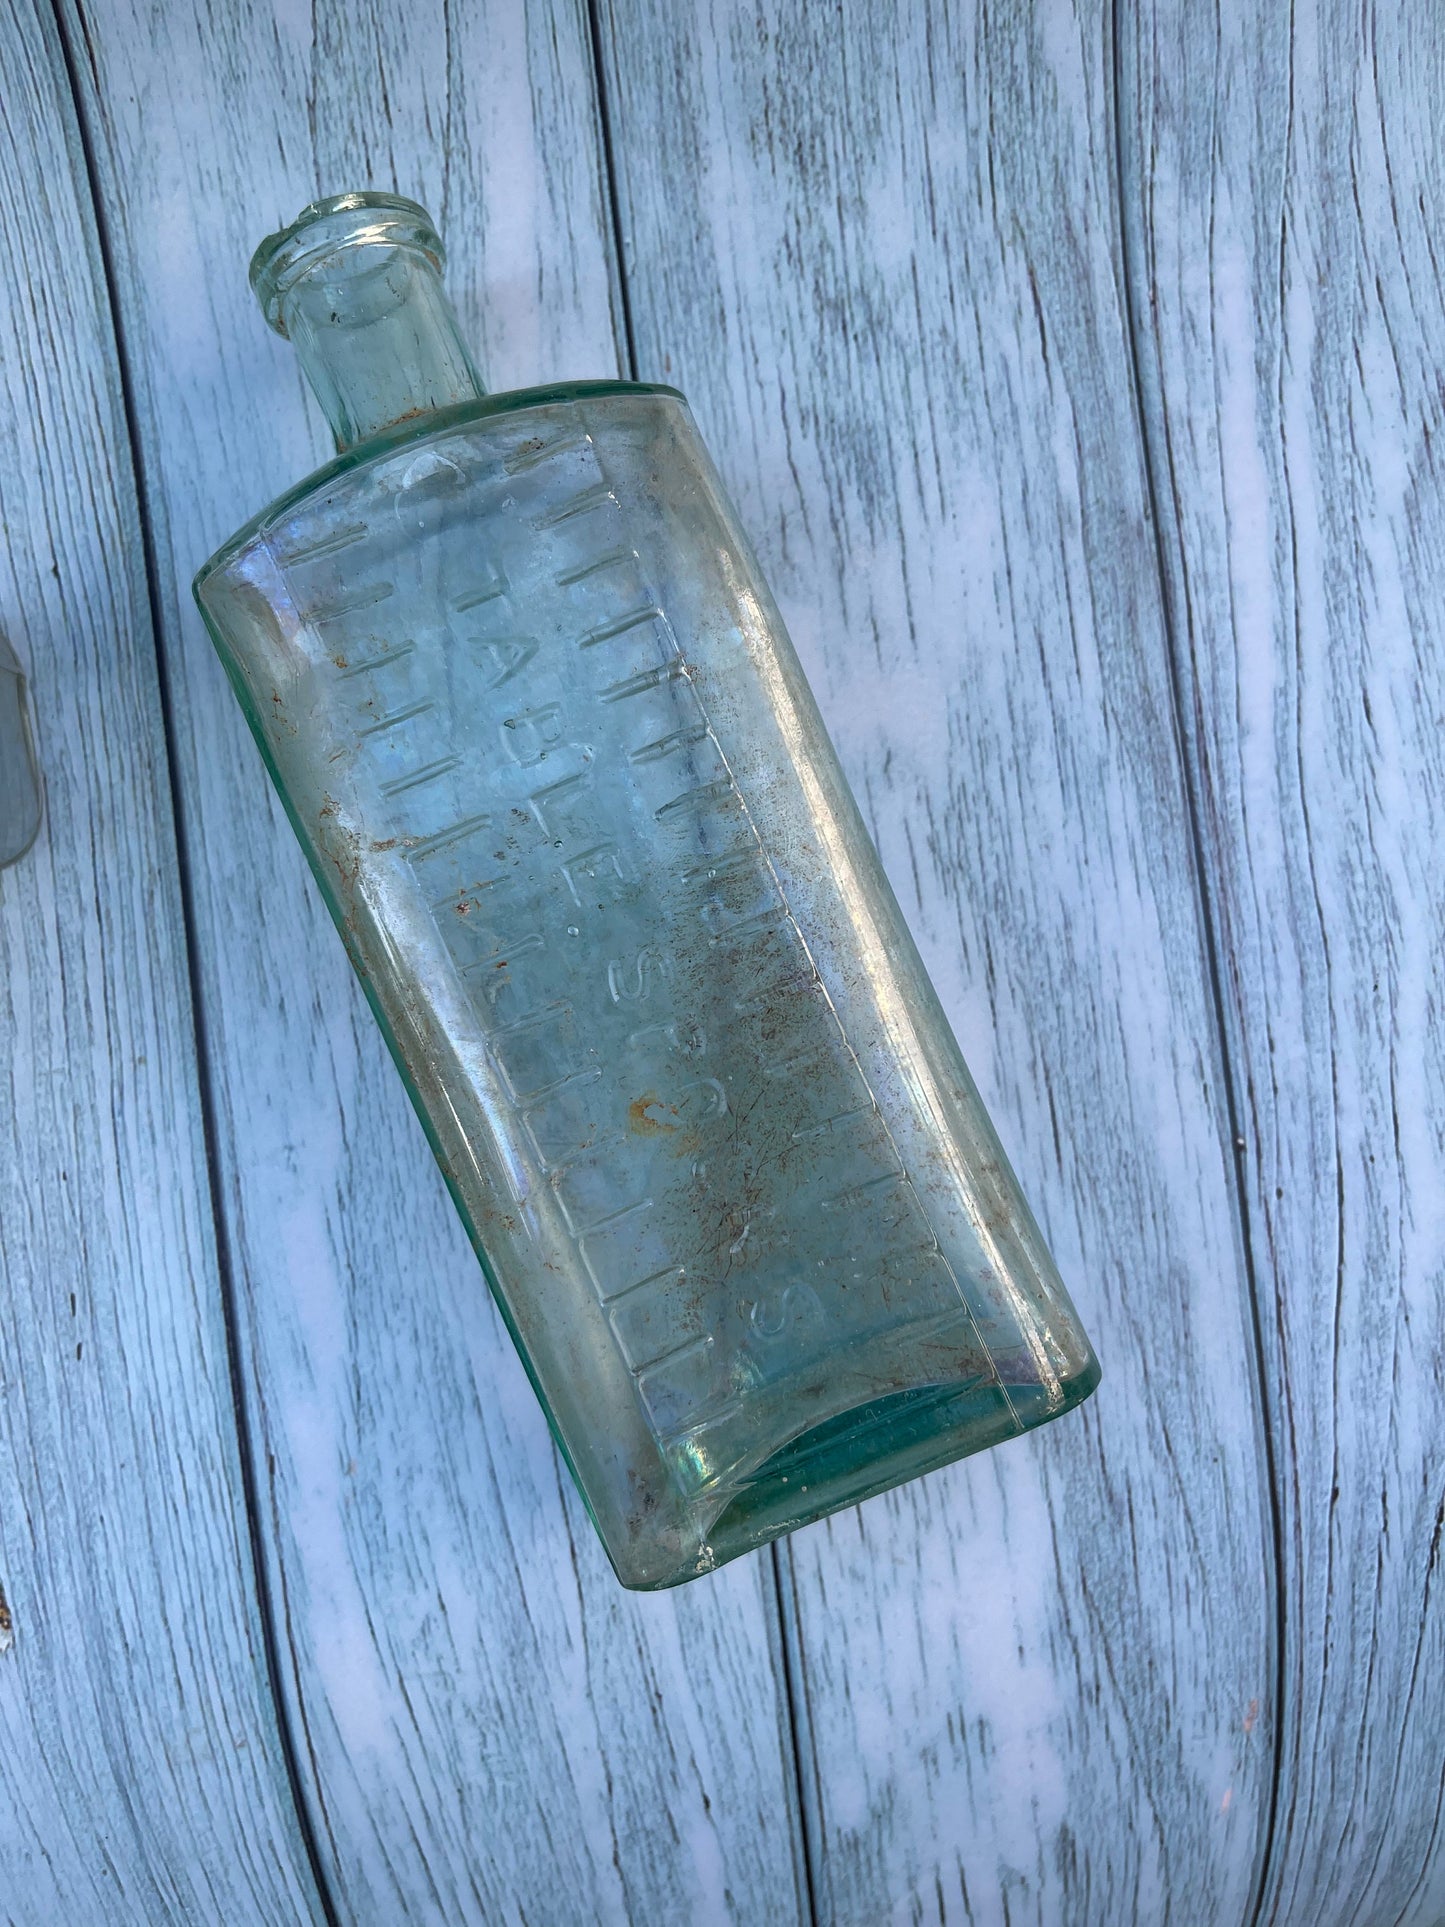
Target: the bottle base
(868, 1450)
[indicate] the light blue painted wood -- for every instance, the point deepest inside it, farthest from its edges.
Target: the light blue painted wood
(141, 1776)
(880, 252)
(489, 1729)
(1285, 268)
(883, 252)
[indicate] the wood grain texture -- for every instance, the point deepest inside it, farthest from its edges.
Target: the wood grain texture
(141, 1774)
(1284, 172)
(489, 1729)
(880, 253)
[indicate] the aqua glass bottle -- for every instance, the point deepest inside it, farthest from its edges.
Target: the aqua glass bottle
(538, 725)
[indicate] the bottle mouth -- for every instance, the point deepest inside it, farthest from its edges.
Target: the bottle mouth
(327, 228)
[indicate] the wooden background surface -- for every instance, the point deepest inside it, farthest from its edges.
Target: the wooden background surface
(1077, 369)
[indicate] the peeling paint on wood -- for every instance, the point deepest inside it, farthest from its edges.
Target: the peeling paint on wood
(1285, 275)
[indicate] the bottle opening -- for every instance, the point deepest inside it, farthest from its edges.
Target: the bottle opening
(355, 284)
(326, 234)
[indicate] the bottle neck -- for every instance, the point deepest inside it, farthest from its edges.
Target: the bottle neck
(355, 284)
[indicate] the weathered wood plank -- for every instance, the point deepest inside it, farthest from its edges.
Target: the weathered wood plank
(489, 1729)
(879, 250)
(141, 1774)
(1283, 176)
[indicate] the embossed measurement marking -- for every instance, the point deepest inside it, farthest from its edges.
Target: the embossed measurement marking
(545, 764)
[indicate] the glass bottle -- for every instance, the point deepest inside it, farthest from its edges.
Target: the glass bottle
(537, 723)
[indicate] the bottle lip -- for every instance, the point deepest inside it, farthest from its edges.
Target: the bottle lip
(324, 228)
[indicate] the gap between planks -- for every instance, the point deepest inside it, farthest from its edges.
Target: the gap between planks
(1128, 179)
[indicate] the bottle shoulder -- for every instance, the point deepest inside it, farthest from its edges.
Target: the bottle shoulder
(437, 423)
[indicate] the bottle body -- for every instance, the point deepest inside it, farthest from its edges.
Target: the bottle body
(555, 765)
